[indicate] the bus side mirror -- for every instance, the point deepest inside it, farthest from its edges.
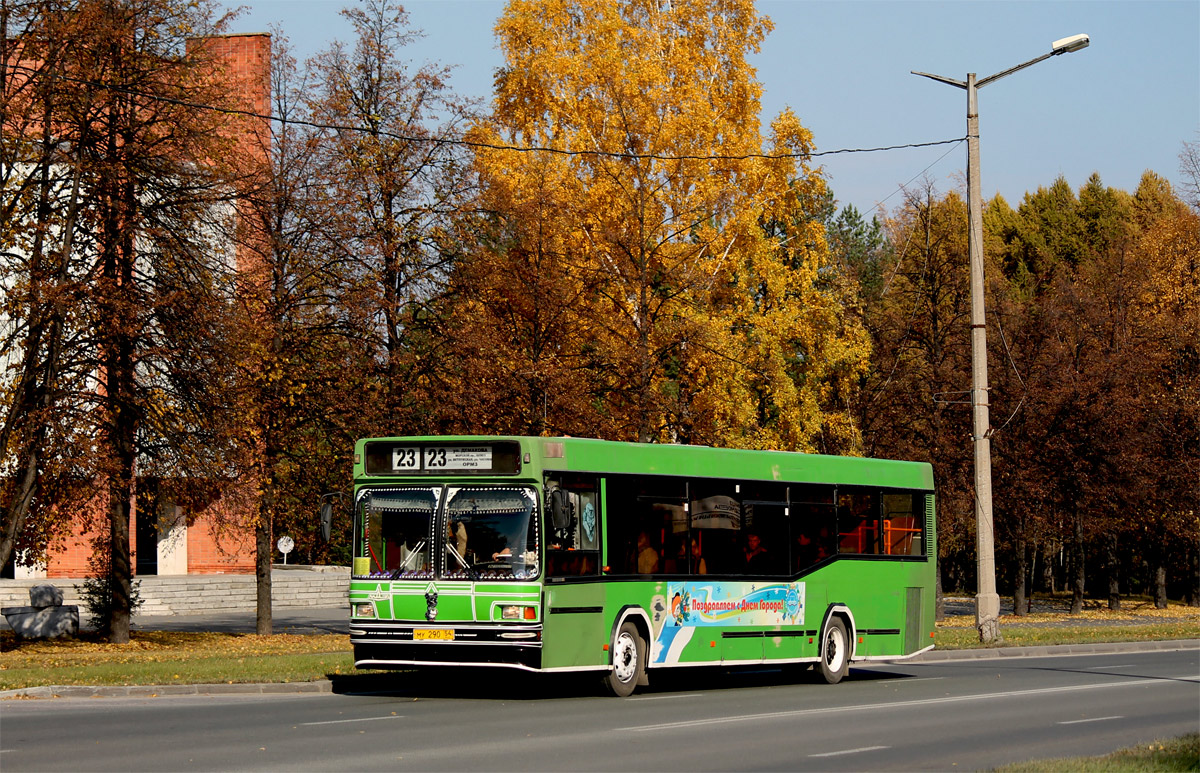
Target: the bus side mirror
(560, 510)
(326, 519)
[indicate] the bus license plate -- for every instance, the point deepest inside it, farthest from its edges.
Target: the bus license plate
(433, 634)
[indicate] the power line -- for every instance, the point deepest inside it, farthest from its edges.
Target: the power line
(918, 174)
(475, 144)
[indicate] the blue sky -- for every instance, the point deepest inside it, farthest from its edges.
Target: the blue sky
(1119, 107)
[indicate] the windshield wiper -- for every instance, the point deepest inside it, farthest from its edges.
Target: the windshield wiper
(463, 561)
(404, 564)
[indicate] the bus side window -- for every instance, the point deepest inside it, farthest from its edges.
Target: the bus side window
(647, 522)
(716, 519)
(768, 521)
(572, 526)
(901, 525)
(813, 517)
(858, 521)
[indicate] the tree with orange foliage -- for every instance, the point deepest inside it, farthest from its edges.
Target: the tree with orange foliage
(1166, 315)
(672, 245)
(40, 273)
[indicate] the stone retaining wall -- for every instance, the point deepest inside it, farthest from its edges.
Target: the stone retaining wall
(291, 586)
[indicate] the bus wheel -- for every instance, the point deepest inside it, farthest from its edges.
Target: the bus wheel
(835, 658)
(628, 661)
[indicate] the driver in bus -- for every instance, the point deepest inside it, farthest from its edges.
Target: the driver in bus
(456, 536)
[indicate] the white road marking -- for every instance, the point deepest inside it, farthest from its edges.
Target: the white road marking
(665, 697)
(850, 751)
(1081, 721)
(1105, 668)
(341, 721)
(904, 704)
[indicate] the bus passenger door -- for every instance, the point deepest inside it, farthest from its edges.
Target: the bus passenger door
(573, 631)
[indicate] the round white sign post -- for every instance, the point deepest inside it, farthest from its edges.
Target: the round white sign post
(285, 546)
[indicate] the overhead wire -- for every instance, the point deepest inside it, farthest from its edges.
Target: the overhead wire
(480, 145)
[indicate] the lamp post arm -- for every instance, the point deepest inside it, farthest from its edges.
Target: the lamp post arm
(985, 81)
(941, 79)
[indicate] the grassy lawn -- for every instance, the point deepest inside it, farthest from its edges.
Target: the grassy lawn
(1176, 754)
(159, 657)
(1136, 622)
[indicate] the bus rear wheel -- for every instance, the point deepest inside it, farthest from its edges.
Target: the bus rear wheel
(835, 654)
(628, 661)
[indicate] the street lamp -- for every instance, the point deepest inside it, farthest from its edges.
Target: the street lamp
(987, 602)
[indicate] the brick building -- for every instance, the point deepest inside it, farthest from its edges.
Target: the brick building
(165, 538)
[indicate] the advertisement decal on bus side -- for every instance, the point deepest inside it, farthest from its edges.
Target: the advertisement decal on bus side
(725, 604)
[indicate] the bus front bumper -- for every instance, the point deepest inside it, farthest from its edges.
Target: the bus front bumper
(379, 644)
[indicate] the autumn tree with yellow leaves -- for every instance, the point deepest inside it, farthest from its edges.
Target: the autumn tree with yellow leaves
(680, 275)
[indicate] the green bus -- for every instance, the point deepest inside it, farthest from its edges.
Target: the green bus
(561, 554)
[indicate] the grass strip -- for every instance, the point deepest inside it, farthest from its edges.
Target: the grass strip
(958, 638)
(160, 657)
(1175, 754)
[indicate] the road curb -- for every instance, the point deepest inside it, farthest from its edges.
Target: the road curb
(326, 686)
(164, 690)
(1098, 648)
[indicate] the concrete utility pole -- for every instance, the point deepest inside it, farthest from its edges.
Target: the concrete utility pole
(987, 601)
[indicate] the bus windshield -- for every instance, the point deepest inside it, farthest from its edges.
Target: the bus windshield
(398, 531)
(489, 532)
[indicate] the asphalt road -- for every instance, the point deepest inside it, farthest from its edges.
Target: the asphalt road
(946, 715)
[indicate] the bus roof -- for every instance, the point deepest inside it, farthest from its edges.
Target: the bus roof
(616, 457)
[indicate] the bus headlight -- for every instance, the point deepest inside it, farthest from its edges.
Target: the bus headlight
(518, 613)
(365, 609)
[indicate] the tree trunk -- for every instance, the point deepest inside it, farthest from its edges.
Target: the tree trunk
(262, 573)
(119, 307)
(121, 431)
(1077, 568)
(18, 508)
(1193, 583)
(1160, 581)
(1035, 550)
(1048, 570)
(39, 395)
(1112, 562)
(120, 565)
(1020, 607)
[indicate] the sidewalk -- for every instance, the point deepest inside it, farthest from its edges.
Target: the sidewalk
(298, 620)
(1048, 650)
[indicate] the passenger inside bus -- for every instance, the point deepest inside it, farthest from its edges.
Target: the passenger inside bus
(647, 555)
(757, 559)
(698, 564)
(806, 552)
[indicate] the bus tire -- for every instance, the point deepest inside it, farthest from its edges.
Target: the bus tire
(628, 661)
(835, 651)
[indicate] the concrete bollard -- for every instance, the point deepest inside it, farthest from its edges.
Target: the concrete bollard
(46, 617)
(45, 596)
